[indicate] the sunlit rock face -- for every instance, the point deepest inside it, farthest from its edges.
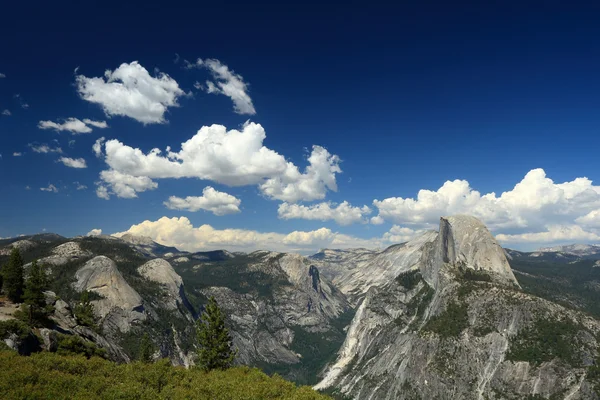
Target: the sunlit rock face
(457, 325)
(120, 305)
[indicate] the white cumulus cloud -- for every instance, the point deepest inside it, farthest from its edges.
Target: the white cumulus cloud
(554, 234)
(219, 203)
(234, 158)
(73, 162)
(131, 91)
(343, 213)
(94, 232)
(180, 232)
(536, 209)
(124, 185)
(226, 82)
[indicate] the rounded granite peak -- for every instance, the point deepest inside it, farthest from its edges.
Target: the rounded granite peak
(466, 241)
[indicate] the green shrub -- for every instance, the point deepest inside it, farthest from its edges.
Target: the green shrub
(409, 279)
(74, 345)
(13, 326)
(52, 376)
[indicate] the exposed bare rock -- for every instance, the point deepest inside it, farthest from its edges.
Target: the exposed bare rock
(120, 306)
(64, 253)
(22, 245)
(160, 271)
(446, 330)
(355, 271)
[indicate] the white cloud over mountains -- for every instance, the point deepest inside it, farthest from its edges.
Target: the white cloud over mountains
(131, 91)
(233, 158)
(536, 210)
(219, 203)
(73, 125)
(343, 214)
(225, 82)
(180, 232)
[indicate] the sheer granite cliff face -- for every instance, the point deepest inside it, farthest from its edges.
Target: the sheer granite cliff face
(266, 325)
(353, 272)
(120, 305)
(457, 325)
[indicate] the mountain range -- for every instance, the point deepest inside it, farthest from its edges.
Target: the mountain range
(449, 314)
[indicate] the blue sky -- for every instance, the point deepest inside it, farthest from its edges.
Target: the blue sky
(501, 102)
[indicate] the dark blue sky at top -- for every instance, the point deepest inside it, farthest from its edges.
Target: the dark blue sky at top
(408, 95)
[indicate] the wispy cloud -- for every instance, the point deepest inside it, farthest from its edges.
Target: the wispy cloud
(49, 188)
(226, 82)
(44, 148)
(73, 125)
(73, 162)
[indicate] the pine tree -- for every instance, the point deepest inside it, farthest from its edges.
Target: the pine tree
(84, 311)
(215, 344)
(13, 276)
(35, 285)
(146, 349)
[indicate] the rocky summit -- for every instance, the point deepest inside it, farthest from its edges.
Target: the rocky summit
(458, 325)
(449, 314)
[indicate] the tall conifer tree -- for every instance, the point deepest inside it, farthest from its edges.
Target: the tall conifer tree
(13, 277)
(215, 344)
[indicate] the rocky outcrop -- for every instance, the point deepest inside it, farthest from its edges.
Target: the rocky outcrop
(457, 325)
(22, 245)
(287, 310)
(465, 243)
(353, 272)
(64, 253)
(173, 294)
(120, 305)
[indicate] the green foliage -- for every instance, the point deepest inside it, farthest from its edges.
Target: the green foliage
(146, 349)
(234, 274)
(409, 279)
(215, 346)
(84, 311)
(593, 374)
(73, 345)
(474, 275)
(545, 340)
(35, 301)
(13, 276)
(51, 376)
(451, 322)
(575, 285)
(13, 326)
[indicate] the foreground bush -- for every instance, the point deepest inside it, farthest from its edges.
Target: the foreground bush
(52, 376)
